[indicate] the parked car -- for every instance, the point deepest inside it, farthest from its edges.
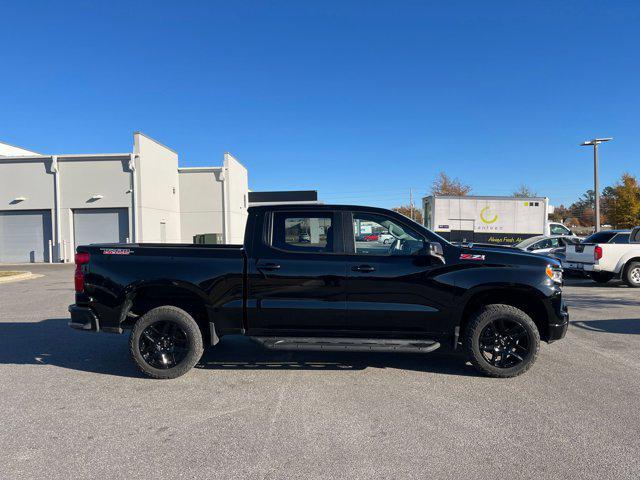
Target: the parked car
(420, 294)
(546, 243)
(372, 237)
(386, 238)
(608, 254)
(304, 238)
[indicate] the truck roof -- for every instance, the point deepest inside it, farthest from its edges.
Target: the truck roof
(315, 206)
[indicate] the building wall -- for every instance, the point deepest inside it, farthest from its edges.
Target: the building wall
(236, 198)
(158, 193)
(7, 150)
(200, 201)
(31, 179)
(83, 178)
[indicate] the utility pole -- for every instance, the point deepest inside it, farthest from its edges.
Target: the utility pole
(596, 187)
(411, 203)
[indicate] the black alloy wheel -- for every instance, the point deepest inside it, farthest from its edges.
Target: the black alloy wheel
(166, 342)
(163, 344)
(504, 343)
(501, 340)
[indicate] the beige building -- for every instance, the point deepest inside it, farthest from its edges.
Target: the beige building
(49, 204)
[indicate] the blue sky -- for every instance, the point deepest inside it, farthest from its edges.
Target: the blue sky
(359, 100)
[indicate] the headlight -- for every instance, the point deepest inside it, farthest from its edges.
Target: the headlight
(554, 273)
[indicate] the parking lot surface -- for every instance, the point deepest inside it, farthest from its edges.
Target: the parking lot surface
(72, 405)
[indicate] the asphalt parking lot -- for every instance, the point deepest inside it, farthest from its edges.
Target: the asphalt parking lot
(73, 406)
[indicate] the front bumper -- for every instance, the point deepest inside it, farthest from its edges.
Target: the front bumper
(83, 318)
(558, 328)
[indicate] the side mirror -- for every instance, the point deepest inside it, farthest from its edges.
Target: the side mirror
(435, 250)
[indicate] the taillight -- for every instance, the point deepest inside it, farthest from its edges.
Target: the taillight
(597, 252)
(81, 259)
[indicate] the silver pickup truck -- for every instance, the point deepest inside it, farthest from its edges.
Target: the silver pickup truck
(606, 255)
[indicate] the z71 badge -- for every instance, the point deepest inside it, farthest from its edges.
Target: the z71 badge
(115, 251)
(471, 256)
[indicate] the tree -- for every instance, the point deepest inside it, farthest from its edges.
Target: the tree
(443, 185)
(607, 201)
(625, 208)
(407, 211)
(583, 208)
(560, 214)
(524, 191)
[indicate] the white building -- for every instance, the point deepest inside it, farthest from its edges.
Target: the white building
(49, 204)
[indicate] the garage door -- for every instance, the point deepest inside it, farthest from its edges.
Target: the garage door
(24, 236)
(100, 225)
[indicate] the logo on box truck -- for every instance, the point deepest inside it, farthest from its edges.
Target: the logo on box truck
(490, 219)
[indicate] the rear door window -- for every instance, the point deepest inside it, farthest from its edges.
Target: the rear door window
(620, 238)
(303, 232)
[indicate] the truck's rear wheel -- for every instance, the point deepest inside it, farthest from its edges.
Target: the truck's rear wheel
(601, 277)
(501, 341)
(632, 274)
(166, 342)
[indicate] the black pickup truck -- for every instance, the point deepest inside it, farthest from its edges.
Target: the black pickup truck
(302, 281)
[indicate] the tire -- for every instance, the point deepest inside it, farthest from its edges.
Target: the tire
(166, 342)
(517, 351)
(632, 275)
(601, 277)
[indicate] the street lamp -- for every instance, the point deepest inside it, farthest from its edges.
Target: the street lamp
(596, 190)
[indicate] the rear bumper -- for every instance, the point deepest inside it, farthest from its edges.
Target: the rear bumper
(83, 318)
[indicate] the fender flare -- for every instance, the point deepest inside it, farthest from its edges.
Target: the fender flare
(463, 300)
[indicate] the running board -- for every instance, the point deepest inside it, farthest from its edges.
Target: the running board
(347, 344)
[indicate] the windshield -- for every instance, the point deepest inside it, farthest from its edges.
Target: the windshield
(527, 242)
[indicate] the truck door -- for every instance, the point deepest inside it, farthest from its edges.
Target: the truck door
(297, 276)
(390, 287)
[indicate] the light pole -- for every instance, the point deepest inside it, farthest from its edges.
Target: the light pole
(596, 188)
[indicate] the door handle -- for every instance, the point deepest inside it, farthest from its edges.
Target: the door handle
(268, 266)
(363, 268)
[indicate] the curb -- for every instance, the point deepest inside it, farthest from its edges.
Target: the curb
(18, 277)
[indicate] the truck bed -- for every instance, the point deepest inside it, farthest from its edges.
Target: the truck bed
(115, 270)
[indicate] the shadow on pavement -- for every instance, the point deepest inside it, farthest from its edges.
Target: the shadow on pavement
(622, 325)
(591, 302)
(52, 342)
(588, 283)
(236, 352)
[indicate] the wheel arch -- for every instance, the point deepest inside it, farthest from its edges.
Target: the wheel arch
(142, 297)
(628, 262)
(523, 297)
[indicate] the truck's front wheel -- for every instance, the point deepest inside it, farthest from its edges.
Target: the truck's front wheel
(501, 341)
(166, 342)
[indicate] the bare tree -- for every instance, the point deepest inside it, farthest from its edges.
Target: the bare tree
(524, 191)
(444, 185)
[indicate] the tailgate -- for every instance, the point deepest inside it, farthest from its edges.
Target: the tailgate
(582, 253)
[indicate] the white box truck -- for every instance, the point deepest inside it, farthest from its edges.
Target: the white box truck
(495, 220)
